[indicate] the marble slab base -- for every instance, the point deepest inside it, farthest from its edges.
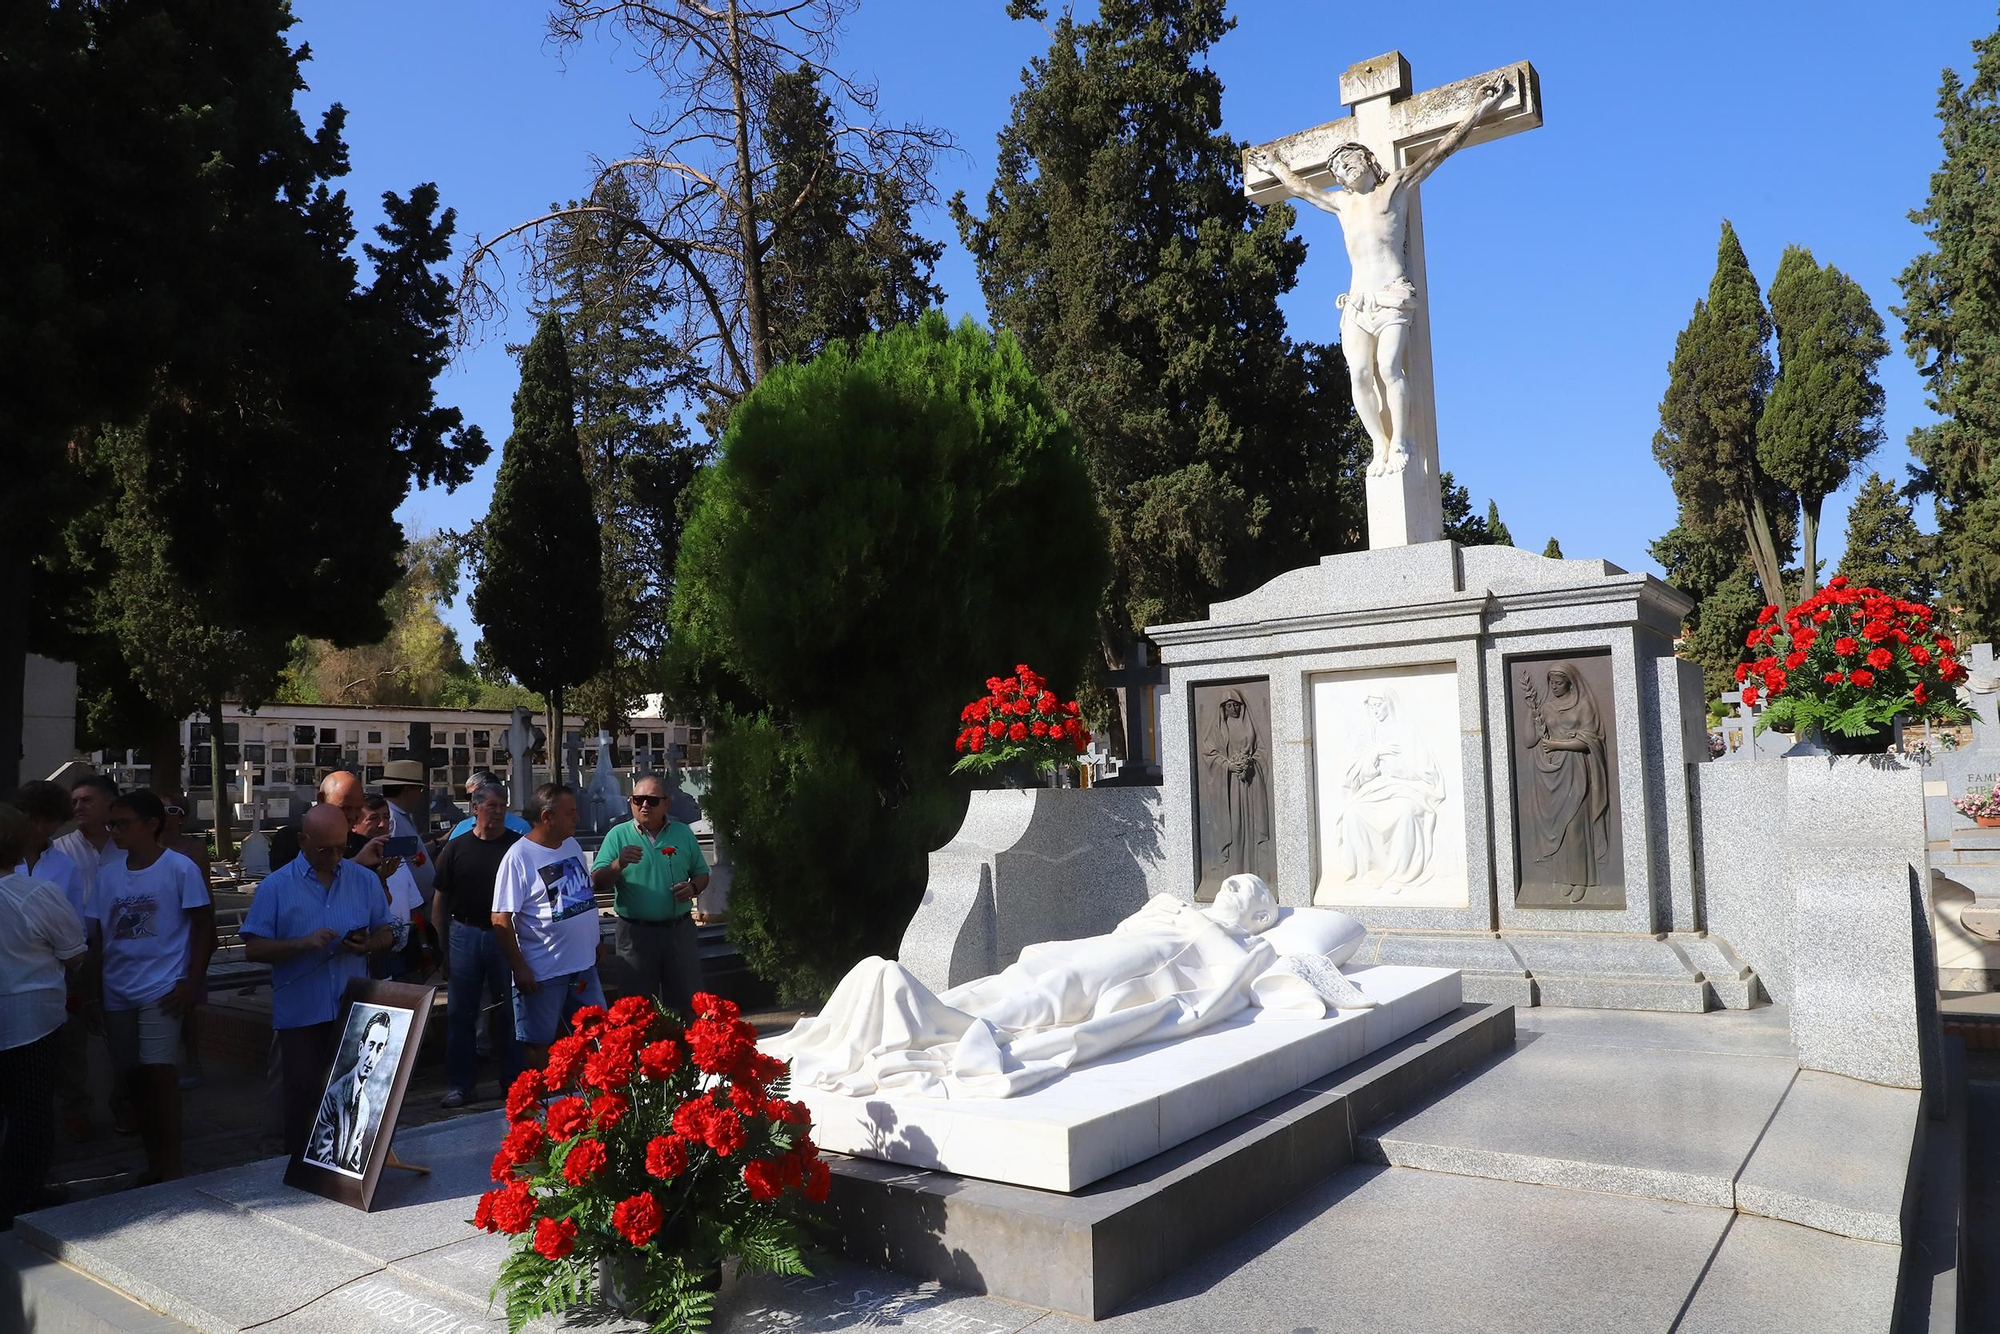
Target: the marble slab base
(1129, 1107)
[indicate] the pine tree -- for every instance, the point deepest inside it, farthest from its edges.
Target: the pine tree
(603, 280)
(1824, 413)
(540, 569)
(1707, 441)
(1951, 329)
(1118, 247)
(1501, 537)
(1885, 549)
(1553, 551)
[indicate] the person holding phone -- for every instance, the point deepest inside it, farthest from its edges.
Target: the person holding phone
(654, 869)
(399, 887)
(315, 920)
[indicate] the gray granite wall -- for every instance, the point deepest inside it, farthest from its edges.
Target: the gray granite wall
(1033, 865)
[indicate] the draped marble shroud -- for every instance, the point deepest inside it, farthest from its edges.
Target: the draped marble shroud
(1164, 972)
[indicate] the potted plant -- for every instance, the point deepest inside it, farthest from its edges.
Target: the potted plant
(1019, 727)
(641, 1157)
(1982, 808)
(1843, 665)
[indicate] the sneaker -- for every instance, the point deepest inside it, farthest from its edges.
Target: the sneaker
(454, 1098)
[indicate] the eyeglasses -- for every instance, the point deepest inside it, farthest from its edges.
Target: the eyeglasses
(647, 801)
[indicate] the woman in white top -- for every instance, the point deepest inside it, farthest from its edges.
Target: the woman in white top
(40, 939)
(153, 921)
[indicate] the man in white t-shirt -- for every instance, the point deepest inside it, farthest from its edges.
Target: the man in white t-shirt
(40, 941)
(88, 844)
(545, 919)
(88, 802)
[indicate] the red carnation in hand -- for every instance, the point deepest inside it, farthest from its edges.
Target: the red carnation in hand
(1862, 677)
(1845, 646)
(660, 1059)
(765, 1179)
(608, 1109)
(585, 1160)
(1880, 658)
(667, 1156)
(513, 1208)
(568, 1117)
(566, 1057)
(585, 1019)
(524, 1095)
(554, 1239)
(634, 1011)
(637, 1219)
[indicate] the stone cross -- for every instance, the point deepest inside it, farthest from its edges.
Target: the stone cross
(1139, 679)
(1981, 693)
(1404, 503)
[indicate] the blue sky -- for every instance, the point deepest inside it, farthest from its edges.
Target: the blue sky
(1562, 262)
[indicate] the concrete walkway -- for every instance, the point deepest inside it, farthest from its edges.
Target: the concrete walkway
(1614, 1172)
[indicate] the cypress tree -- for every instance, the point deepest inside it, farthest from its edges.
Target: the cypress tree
(1707, 442)
(1885, 549)
(1718, 576)
(540, 571)
(1553, 551)
(1501, 537)
(1118, 247)
(1824, 413)
(1951, 329)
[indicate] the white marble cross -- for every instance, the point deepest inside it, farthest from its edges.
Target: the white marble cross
(1398, 128)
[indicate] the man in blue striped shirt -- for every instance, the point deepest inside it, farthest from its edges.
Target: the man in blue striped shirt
(314, 920)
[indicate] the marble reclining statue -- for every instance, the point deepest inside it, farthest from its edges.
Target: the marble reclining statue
(1169, 970)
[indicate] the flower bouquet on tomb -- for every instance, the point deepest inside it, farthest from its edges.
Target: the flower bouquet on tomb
(1019, 721)
(1844, 664)
(1982, 808)
(641, 1157)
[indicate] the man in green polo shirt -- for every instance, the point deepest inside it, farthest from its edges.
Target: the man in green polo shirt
(654, 869)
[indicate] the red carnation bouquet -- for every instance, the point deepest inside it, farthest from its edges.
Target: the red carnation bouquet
(644, 1154)
(1847, 661)
(1019, 720)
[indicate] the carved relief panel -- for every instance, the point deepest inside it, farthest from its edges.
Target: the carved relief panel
(1569, 845)
(1233, 806)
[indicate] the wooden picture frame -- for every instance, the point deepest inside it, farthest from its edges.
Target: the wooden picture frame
(382, 1026)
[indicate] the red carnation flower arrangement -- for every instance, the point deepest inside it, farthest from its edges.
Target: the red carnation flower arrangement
(1019, 721)
(644, 1154)
(1846, 662)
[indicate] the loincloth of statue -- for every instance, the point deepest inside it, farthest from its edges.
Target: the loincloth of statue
(1165, 972)
(1384, 308)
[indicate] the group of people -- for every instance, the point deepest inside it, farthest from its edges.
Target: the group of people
(105, 931)
(109, 927)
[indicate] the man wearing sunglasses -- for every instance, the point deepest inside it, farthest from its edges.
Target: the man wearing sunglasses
(654, 868)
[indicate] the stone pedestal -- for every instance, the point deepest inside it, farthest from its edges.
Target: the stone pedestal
(1434, 627)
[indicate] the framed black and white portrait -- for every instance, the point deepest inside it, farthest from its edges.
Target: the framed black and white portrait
(348, 1145)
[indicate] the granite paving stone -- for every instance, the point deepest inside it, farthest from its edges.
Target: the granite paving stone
(1764, 1031)
(380, 1304)
(1836, 1158)
(1660, 1122)
(1371, 1241)
(1778, 1278)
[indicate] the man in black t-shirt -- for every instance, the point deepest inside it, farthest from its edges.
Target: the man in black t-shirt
(476, 970)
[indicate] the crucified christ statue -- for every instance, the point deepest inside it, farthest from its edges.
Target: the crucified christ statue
(1373, 207)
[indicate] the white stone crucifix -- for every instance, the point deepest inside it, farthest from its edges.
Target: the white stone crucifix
(1379, 155)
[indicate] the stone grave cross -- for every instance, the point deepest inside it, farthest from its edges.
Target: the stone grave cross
(1982, 696)
(1385, 324)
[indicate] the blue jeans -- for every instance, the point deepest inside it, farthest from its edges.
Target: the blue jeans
(541, 1018)
(478, 970)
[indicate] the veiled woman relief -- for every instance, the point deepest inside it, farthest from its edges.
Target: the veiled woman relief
(1568, 845)
(1233, 783)
(1389, 786)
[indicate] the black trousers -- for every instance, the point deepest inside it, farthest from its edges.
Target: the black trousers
(27, 1121)
(304, 1053)
(664, 959)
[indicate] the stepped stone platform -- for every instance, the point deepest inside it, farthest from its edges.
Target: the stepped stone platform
(1639, 1172)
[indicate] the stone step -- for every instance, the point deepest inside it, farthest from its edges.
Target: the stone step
(1614, 1106)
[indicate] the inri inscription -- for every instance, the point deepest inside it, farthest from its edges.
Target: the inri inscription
(1569, 846)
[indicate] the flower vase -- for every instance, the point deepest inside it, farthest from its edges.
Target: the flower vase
(1868, 743)
(621, 1282)
(1987, 821)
